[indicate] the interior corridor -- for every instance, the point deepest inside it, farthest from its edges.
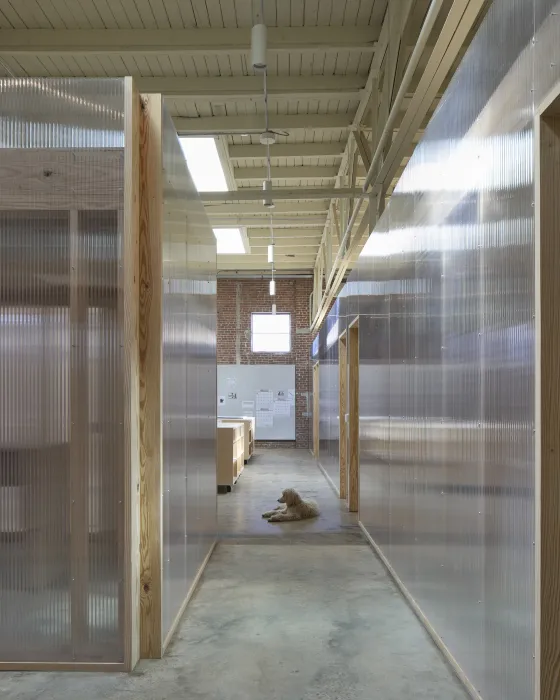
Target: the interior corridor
(295, 610)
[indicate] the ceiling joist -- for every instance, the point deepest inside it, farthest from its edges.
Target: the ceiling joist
(201, 40)
(254, 123)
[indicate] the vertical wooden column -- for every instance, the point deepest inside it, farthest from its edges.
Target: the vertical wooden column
(354, 418)
(316, 410)
(342, 410)
(150, 365)
(547, 559)
(78, 457)
(130, 527)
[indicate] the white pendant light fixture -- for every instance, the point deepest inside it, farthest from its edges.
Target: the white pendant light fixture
(274, 309)
(270, 253)
(272, 287)
(267, 194)
(258, 47)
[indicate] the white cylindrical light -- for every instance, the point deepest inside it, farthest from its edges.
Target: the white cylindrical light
(272, 287)
(258, 46)
(270, 253)
(274, 309)
(267, 194)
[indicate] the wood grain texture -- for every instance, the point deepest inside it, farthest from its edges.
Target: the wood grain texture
(150, 375)
(354, 419)
(342, 410)
(53, 179)
(129, 309)
(316, 410)
(548, 511)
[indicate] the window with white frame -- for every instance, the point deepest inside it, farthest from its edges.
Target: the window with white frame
(270, 332)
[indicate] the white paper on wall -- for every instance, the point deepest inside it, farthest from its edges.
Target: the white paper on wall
(265, 399)
(281, 408)
(265, 419)
(221, 400)
(248, 408)
(292, 397)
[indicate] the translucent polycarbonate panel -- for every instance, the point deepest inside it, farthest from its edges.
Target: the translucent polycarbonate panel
(61, 412)
(329, 428)
(445, 289)
(189, 379)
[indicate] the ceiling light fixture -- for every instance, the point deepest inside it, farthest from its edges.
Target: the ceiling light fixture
(229, 241)
(258, 47)
(267, 137)
(204, 164)
(268, 202)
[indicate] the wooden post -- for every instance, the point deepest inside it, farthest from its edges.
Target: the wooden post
(547, 419)
(129, 308)
(354, 418)
(316, 410)
(342, 410)
(150, 381)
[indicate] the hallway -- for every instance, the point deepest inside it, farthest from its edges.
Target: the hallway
(297, 610)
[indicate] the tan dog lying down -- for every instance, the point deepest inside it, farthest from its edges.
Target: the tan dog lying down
(293, 508)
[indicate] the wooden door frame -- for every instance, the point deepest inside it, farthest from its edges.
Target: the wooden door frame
(316, 410)
(547, 396)
(354, 416)
(342, 411)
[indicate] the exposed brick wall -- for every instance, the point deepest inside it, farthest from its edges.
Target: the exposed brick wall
(237, 300)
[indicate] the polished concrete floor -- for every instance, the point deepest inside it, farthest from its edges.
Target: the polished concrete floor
(294, 610)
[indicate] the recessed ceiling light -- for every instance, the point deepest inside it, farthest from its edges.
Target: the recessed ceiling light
(230, 241)
(204, 164)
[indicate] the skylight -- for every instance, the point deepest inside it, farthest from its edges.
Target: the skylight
(229, 241)
(204, 164)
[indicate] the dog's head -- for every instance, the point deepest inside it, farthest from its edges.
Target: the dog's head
(290, 497)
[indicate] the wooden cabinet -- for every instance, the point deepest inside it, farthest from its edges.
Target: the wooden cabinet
(249, 434)
(230, 453)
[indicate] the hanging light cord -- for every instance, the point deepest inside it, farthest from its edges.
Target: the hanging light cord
(266, 128)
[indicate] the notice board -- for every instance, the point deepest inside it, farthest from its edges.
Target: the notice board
(267, 392)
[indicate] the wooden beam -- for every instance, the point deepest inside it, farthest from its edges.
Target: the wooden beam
(256, 222)
(460, 20)
(365, 99)
(279, 194)
(296, 172)
(250, 87)
(150, 358)
(317, 206)
(129, 527)
(200, 40)
(363, 148)
(253, 123)
(287, 234)
(289, 150)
